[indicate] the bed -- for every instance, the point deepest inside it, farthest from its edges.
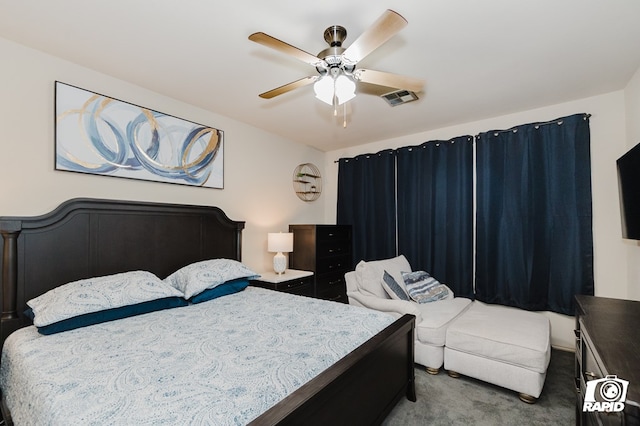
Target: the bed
(85, 238)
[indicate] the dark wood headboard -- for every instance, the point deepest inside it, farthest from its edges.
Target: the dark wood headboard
(85, 238)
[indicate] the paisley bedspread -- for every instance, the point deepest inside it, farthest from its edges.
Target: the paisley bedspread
(222, 362)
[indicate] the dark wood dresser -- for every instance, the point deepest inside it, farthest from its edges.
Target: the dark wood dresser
(607, 344)
(325, 250)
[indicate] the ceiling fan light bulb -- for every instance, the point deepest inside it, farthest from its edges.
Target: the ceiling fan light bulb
(345, 89)
(324, 89)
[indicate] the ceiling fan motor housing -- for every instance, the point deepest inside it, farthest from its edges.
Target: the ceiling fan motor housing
(335, 35)
(332, 56)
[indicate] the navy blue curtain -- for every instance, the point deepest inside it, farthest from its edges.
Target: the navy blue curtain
(435, 210)
(534, 243)
(367, 202)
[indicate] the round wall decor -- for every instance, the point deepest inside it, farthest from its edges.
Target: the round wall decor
(307, 182)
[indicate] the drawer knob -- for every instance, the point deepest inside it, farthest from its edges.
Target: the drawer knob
(590, 374)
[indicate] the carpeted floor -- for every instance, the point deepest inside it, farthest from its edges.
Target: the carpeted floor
(443, 400)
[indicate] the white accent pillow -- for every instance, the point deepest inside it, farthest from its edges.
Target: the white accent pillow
(370, 274)
(195, 278)
(98, 294)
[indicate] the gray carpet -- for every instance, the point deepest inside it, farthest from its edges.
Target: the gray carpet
(443, 400)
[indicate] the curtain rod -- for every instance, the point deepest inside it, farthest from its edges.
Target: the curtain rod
(394, 150)
(514, 129)
(495, 132)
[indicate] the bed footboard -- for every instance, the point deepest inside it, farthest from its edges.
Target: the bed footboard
(361, 388)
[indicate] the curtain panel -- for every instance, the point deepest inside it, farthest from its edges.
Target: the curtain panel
(435, 210)
(367, 202)
(534, 243)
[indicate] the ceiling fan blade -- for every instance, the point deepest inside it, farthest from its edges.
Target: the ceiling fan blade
(389, 80)
(387, 25)
(289, 87)
(274, 43)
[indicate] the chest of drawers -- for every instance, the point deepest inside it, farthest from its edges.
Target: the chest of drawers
(325, 250)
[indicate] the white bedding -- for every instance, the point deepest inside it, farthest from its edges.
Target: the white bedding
(221, 362)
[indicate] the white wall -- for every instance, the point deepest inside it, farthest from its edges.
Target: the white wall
(632, 102)
(258, 166)
(608, 142)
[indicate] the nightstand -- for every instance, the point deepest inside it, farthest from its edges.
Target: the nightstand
(292, 281)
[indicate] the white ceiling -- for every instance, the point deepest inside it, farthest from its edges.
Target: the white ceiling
(480, 59)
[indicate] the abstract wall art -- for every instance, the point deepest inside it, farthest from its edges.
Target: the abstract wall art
(100, 135)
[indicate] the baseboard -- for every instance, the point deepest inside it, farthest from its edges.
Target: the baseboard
(564, 349)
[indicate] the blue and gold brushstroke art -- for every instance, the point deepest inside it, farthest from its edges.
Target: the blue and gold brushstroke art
(97, 134)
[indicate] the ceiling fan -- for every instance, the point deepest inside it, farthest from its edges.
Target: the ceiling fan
(336, 66)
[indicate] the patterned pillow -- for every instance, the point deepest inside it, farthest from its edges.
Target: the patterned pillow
(98, 294)
(393, 289)
(423, 288)
(195, 278)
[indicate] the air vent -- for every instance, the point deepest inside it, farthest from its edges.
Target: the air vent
(399, 97)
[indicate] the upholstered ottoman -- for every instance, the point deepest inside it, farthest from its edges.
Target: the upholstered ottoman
(505, 346)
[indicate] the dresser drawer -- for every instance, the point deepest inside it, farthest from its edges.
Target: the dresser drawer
(334, 279)
(590, 368)
(326, 234)
(333, 264)
(303, 286)
(302, 289)
(333, 248)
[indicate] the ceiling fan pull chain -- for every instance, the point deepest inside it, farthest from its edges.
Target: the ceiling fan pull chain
(344, 116)
(335, 99)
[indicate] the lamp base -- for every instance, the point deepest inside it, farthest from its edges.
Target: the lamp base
(279, 263)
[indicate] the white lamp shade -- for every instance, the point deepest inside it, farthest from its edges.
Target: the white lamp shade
(280, 242)
(342, 87)
(324, 89)
(345, 89)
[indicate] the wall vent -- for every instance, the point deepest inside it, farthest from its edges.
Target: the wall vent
(399, 97)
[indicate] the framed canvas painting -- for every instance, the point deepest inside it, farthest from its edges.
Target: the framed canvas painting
(100, 135)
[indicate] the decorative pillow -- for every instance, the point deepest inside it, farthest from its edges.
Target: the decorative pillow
(195, 278)
(230, 287)
(392, 287)
(109, 314)
(100, 294)
(370, 274)
(423, 288)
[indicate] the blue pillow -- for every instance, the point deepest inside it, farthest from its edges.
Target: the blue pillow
(393, 289)
(229, 287)
(108, 315)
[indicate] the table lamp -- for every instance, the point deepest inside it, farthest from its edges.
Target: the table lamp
(279, 242)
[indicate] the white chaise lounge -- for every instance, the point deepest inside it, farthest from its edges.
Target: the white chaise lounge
(505, 346)
(364, 288)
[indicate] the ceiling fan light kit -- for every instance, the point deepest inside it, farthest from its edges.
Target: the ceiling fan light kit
(336, 65)
(335, 91)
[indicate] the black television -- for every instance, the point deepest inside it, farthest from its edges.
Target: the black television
(629, 186)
